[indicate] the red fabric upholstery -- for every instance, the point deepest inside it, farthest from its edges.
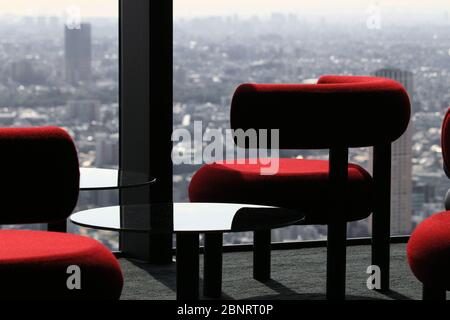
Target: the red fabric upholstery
(33, 265)
(445, 142)
(339, 111)
(299, 184)
(39, 183)
(39, 175)
(429, 251)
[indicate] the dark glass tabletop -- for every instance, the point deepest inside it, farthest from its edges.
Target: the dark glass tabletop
(187, 217)
(104, 179)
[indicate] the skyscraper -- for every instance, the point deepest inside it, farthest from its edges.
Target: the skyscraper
(78, 53)
(401, 173)
(83, 111)
(106, 149)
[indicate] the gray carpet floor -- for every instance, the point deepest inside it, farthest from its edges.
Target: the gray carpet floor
(296, 274)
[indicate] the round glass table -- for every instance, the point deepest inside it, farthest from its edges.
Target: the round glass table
(107, 179)
(188, 221)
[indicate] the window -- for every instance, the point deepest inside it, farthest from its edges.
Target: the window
(59, 64)
(220, 44)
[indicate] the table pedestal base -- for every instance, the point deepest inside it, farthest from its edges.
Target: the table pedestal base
(188, 266)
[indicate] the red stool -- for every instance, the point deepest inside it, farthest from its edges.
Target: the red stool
(336, 114)
(40, 179)
(429, 246)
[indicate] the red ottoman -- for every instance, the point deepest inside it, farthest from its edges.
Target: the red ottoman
(429, 255)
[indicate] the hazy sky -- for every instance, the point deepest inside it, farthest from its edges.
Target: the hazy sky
(189, 8)
(99, 8)
(251, 7)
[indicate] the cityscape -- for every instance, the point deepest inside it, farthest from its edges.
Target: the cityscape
(55, 75)
(65, 76)
(213, 55)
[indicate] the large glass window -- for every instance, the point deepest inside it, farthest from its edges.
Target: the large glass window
(59, 63)
(220, 44)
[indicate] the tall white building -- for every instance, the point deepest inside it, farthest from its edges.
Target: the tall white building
(401, 172)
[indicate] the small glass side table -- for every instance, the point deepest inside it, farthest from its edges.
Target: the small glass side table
(188, 221)
(110, 179)
(92, 179)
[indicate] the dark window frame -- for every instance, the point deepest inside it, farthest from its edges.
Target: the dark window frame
(146, 103)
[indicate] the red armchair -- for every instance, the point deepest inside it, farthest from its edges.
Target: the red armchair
(336, 114)
(429, 246)
(40, 179)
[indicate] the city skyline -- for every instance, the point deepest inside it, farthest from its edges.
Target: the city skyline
(322, 7)
(201, 8)
(208, 65)
(88, 8)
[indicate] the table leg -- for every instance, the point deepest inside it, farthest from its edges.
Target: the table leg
(434, 294)
(212, 275)
(261, 255)
(187, 266)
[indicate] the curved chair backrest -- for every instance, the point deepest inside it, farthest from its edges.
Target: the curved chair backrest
(39, 175)
(445, 142)
(339, 111)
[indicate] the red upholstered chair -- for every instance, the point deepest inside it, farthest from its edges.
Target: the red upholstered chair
(445, 145)
(429, 246)
(338, 113)
(40, 180)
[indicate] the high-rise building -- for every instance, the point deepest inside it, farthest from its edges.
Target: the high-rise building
(84, 111)
(401, 172)
(78, 53)
(106, 149)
